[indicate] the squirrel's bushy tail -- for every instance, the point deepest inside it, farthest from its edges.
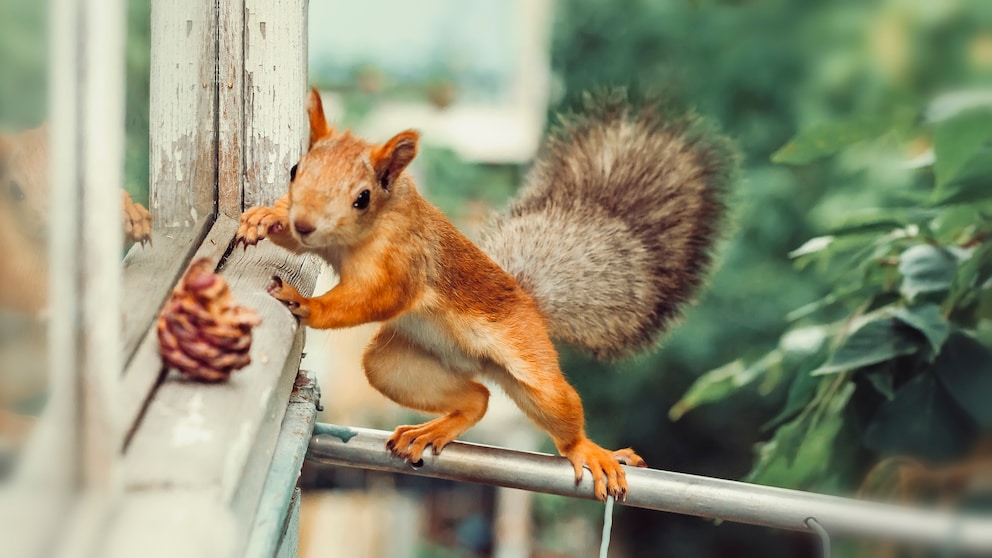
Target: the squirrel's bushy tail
(612, 232)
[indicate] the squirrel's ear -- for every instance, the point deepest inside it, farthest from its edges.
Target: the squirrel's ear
(318, 123)
(390, 158)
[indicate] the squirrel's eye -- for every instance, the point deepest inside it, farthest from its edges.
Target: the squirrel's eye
(362, 201)
(292, 173)
(15, 192)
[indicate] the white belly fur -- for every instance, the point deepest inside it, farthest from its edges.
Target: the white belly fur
(427, 332)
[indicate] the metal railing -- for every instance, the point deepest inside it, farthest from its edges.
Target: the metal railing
(665, 491)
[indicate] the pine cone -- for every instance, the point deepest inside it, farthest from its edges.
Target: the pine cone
(202, 332)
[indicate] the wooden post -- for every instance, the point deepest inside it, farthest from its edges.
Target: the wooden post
(182, 110)
(275, 82)
(74, 452)
(212, 445)
(182, 158)
(231, 105)
(101, 146)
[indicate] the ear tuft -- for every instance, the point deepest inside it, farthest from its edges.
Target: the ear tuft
(319, 129)
(390, 158)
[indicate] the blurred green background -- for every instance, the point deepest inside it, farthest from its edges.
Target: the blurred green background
(24, 79)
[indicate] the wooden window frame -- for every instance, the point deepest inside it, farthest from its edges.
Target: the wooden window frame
(209, 447)
(164, 466)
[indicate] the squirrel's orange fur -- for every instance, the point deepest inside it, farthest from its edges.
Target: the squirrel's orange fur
(449, 312)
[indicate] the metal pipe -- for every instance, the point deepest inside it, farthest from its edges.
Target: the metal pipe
(663, 491)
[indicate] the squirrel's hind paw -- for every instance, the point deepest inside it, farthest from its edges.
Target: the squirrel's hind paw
(628, 457)
(609, 477)
(409, 442)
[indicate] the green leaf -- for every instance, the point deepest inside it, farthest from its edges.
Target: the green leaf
(957, 140)
(970, 184)
(876, 341)
(829, 138)
(882, 381)
(921, 420)
(800, 453)
(878, 219)
(951, 222)
(721, 383)
(971, 276)
(812, 246)
(926, 269)
(964, 367)
(801, 392)
(927, 319)
(840, 293)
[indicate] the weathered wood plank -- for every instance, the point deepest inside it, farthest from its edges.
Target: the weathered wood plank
(182, 158)
(275, 82)
(150, 273)
(144, 371)
(217, 441)
(166, 523)
(219, 438)
(182, 110)
(275, 506)
(231, 97)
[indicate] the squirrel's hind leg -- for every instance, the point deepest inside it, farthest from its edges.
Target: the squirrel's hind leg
(415, 378)
(531, 378)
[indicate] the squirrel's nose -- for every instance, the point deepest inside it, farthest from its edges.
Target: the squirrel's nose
(303, 228)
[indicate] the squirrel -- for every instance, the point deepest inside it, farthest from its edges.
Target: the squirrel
(24, 219)
(608, 239)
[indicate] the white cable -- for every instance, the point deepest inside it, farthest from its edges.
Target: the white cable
(815, 526)
(604, 547)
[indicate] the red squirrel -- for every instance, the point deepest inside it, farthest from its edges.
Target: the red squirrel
(602, 247)
(24, 219)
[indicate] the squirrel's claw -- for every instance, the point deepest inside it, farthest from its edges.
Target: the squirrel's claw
(256, 224)
(628, 457)
(289, 297)
(609, 477)
(409, 442)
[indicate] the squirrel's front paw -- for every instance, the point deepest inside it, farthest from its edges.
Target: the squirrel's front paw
(608, 475)
(137, 221)
(290, 297)
(256, 224)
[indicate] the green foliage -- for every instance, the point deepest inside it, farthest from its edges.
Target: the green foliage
(909, 368)
(829, 138)
(959, 141)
